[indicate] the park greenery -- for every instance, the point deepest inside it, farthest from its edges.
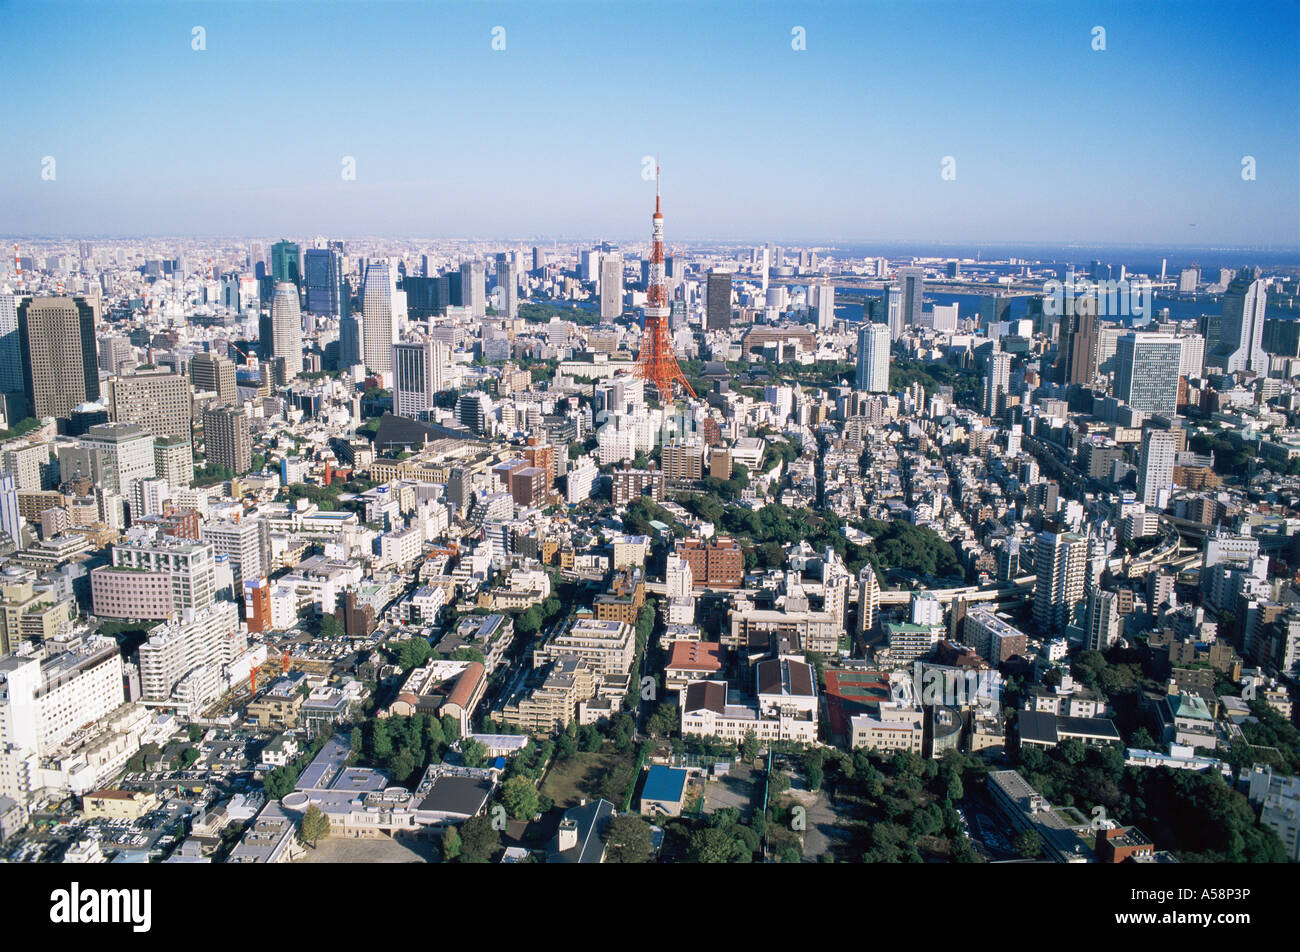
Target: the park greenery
(1197, 815)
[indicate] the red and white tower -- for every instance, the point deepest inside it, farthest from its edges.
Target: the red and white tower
(657, 364)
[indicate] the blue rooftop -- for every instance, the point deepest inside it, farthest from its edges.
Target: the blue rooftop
(664, 783)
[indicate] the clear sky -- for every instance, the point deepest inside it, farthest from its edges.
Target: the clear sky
(841, 141)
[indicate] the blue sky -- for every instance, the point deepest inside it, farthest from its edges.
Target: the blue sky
(841, 141)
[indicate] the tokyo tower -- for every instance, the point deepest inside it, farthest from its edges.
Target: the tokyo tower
(657, 364)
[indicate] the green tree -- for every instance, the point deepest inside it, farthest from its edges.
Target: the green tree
(529, 621)
(450, 844)
(331, 627)
(472, 752)
(479, 839)
(749, 746)
(778, 783)
(315, 826)
(627, 840)
(712, 845)
(1027, 845)
(520, 797)
(665, 720)
(413, 652)
(450, 729)
(1141, 739)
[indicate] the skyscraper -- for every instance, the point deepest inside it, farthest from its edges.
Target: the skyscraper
(1102, 626)
(60, 364)
(11, 361)
(419, 372)
(213, 373)
(351, 344)
(825, 306)
(379, 320)
(868, 600)
(284, 263)
(913, 287)
(611, 286)
(473, 291)
(286, 328)
(228, 439)
(717, 305)
(1080, 340)
(508, 282)
(326, 287)
(1060, 561)
(1237, 343)
(1156, 474)
(997, 383)
(1146, 371)
(873, 358)
(892, 302)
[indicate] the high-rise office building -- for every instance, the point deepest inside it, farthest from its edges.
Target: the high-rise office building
(60, 362)
(913, 287)
(286, 328)
(873, 358)
(508, 282)
(1237, 342)
(997, 383)
(1281, 336)
(717, 304)
(326, 286)
(473, 287)
(891, 302)
(378, 316)
(1080, 339)
(11, 360)
(228, 438)
(285, 263)
(213, 373)
(1060, 562)
(826, 306)
(611, 286)
(160, 401)
(419, 373)
(1156, 472)
(121, 453)
(351, 340)
(1146, 371)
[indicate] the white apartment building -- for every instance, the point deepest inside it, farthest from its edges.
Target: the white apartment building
(46, 705)
(206, 639)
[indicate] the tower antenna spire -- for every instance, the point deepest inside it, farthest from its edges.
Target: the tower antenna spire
(656, 363)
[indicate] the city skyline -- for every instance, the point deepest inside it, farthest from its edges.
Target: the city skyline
(549, 135)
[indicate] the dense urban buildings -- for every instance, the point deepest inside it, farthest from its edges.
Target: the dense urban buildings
(443, 511)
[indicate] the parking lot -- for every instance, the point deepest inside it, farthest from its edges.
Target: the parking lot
(742, 790)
